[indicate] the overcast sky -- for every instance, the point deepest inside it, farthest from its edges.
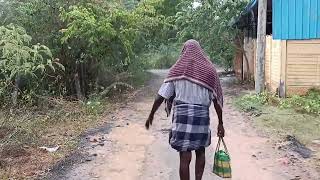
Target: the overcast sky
(196, 4)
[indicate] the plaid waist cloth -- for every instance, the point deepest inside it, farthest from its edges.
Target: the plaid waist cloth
(190, 127)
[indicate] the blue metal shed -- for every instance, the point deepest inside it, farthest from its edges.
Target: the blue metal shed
(292, 63)
(296, 19)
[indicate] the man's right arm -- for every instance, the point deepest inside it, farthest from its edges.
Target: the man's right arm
(157, 103)
(165, 92)
(219, 113)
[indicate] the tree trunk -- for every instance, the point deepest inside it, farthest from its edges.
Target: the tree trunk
(15, 92)
(261, 46)
(246, 76)
(82, 79)
(78, 87)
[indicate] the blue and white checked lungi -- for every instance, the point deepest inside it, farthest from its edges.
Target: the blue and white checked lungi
(190, 127)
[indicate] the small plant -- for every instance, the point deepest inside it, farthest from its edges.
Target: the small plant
(309, 103)
(94, 106)
(251, 102)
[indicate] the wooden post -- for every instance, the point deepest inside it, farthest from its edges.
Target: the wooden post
(261, 46)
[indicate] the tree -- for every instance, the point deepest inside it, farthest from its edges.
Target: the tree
(261, 46)
(209, 23)
(96, 41)
(19, 60)
(105, 40)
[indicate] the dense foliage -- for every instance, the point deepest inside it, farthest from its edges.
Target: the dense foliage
(22, 62)
(95, 44)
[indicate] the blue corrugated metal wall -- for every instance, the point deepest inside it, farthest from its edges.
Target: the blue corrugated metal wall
(296, 19)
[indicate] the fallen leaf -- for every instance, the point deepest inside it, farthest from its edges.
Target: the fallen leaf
(51, 150)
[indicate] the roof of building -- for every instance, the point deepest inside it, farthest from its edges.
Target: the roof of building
(249, 10)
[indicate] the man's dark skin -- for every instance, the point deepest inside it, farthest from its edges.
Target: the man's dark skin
(185, 157)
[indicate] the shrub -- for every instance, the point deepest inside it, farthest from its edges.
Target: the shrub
(22, 65)
(252, 102)
(309, 103)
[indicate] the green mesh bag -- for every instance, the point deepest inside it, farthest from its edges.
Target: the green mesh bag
(222, 165)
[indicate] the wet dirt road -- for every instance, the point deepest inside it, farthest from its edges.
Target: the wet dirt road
(129, 152)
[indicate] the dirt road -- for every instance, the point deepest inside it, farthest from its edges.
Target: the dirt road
(129, 152)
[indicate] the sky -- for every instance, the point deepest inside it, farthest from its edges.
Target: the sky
(196, 4)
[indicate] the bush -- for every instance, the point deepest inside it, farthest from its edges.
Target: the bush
(22, 67)
(307, 104)
(252, 103)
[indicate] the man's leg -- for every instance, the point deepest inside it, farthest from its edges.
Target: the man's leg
(185, 159)
(200, 163)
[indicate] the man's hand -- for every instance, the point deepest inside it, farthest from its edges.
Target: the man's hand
(158, 101)
(220, 131)
(149, 121)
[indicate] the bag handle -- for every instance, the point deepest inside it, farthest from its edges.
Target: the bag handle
(224, 145)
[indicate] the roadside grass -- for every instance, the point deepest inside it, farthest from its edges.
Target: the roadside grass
(304, 127)
(281, 117)
(54, 122)
(298, 116)
(24, 130)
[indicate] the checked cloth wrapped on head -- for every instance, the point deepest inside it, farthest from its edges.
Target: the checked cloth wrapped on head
(193, 65)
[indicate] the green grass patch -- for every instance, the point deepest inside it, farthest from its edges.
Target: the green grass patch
(298, 115)
(306, 104)
(309, 104)
(304, 127)
(251, 103)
